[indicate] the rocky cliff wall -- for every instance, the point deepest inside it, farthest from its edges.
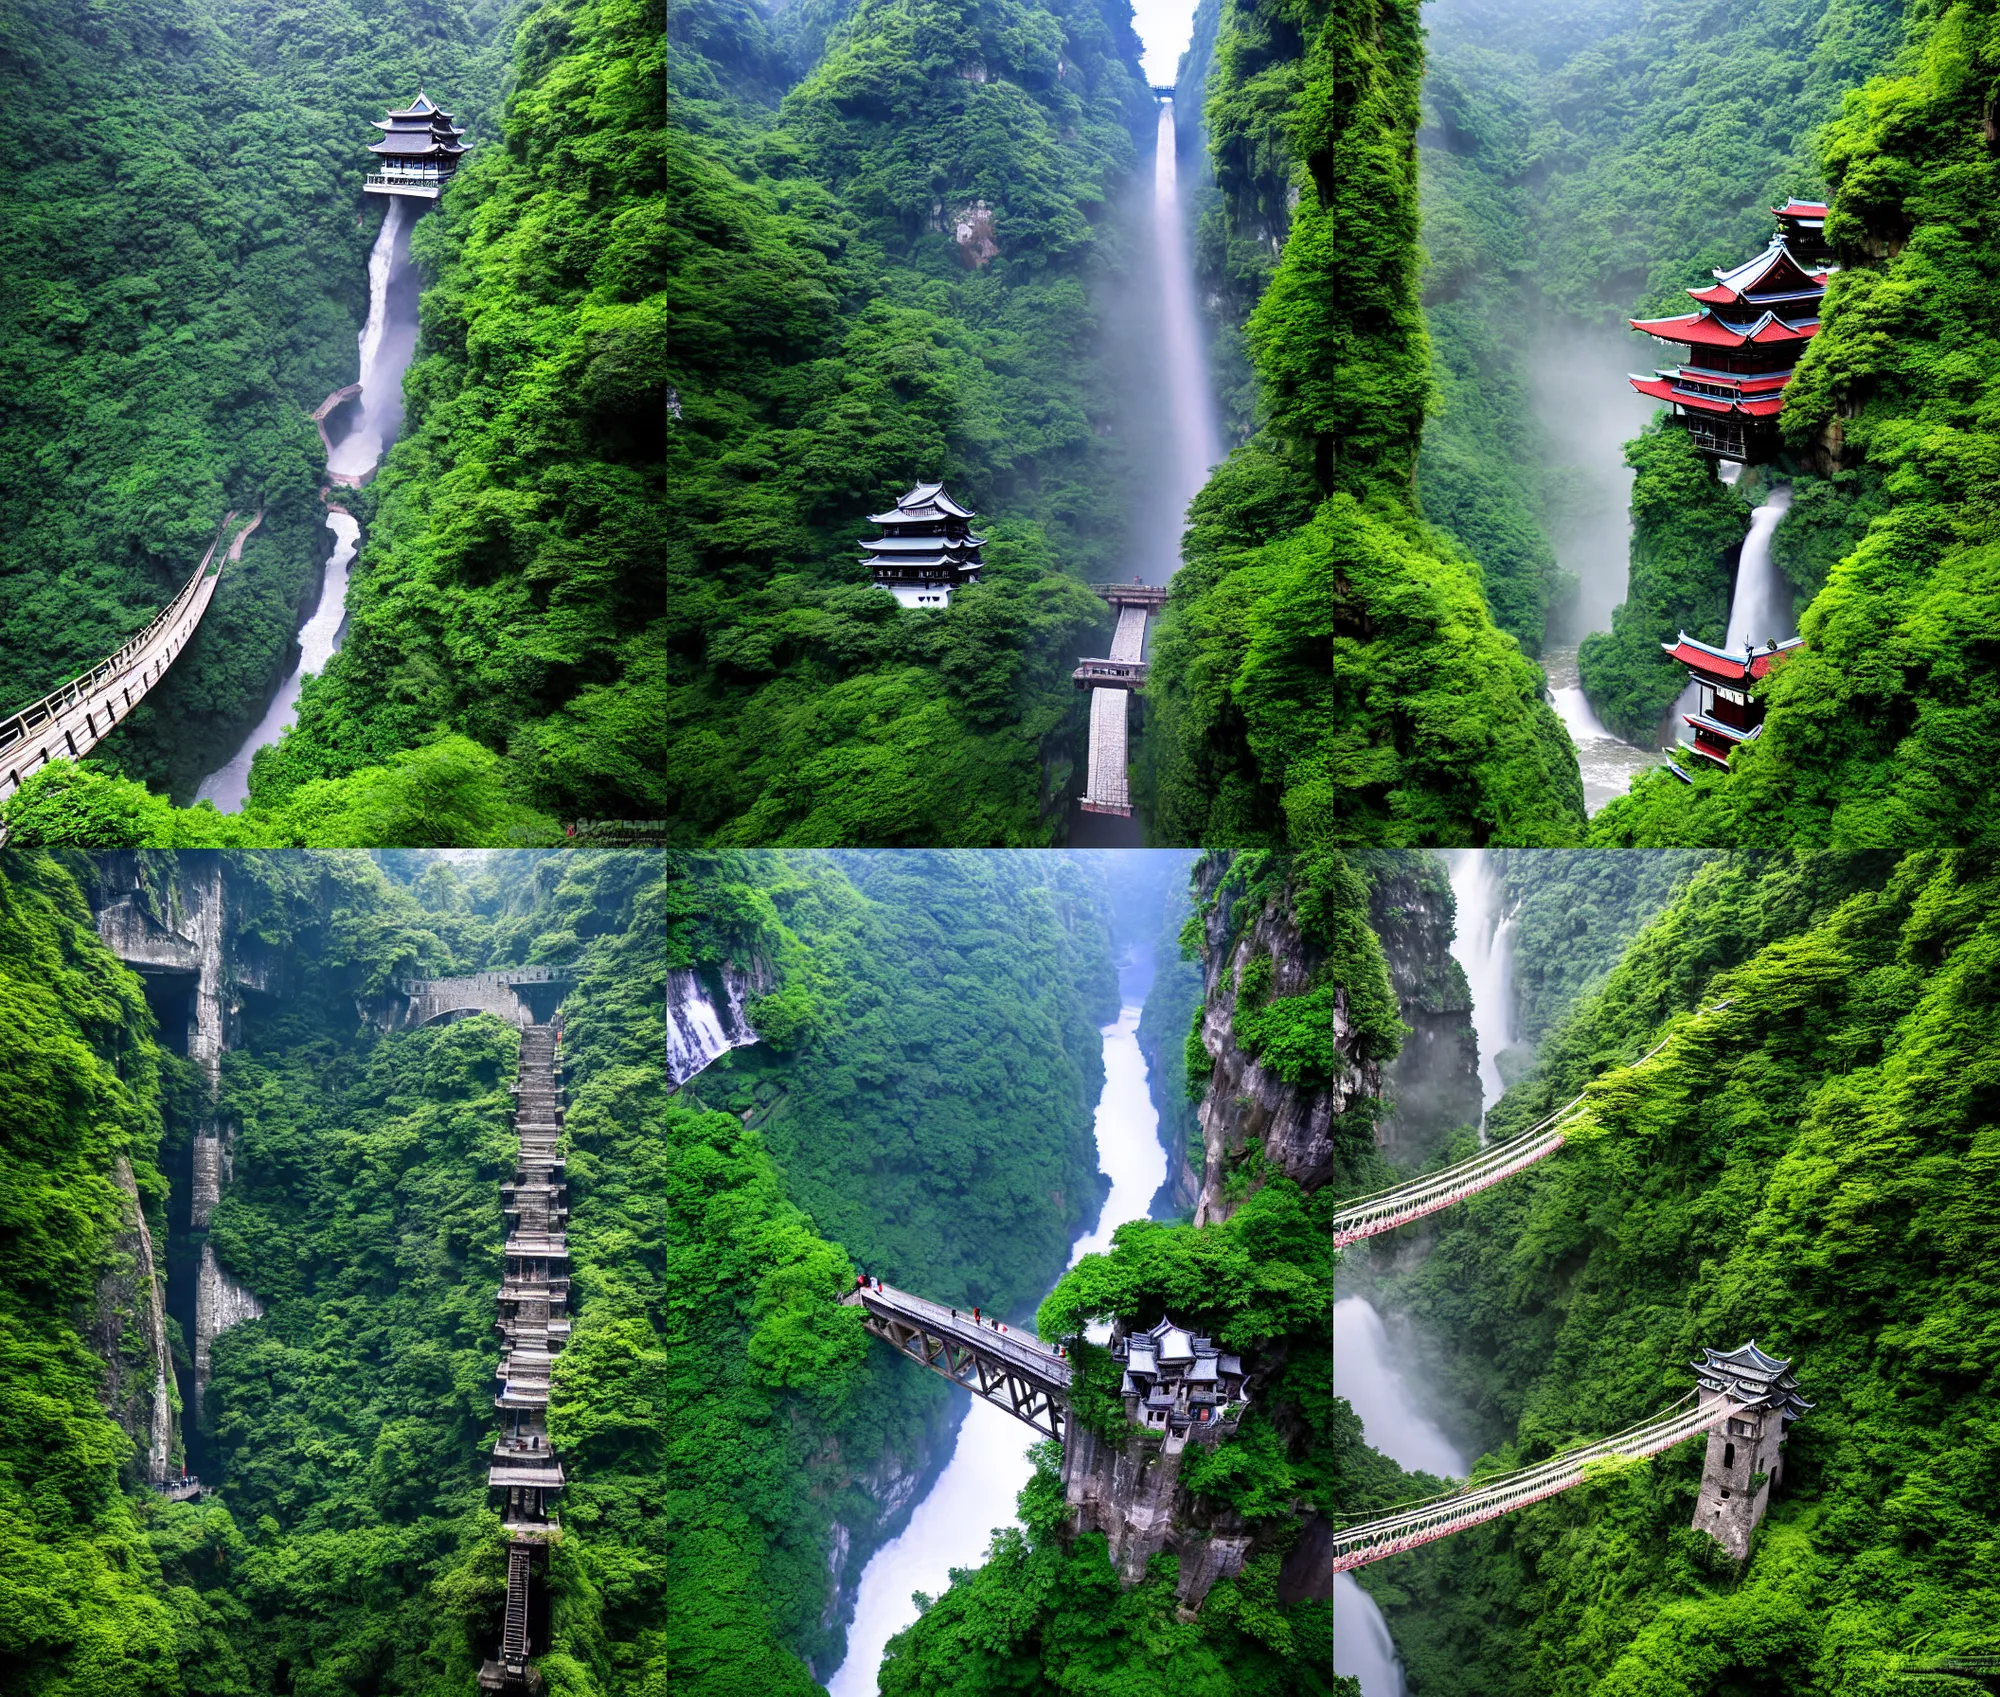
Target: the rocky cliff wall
(1245, 1101)
(1431, 1088)
(173, 927)
(127, 1331)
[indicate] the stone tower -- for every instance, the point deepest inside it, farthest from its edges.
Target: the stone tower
(1745, 1453)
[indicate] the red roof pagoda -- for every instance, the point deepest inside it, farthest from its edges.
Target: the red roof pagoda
(1742, 345)
(1728, 715)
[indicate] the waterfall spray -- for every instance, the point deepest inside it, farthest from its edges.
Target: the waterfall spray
(381, 389)
(1193, 434)
(1483, 944)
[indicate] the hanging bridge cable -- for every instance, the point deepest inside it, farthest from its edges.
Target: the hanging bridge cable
(1383, 1210)
(1480, 1484)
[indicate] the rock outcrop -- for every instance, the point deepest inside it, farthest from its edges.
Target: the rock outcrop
(175, 935)
(127, 1331)
(1431, 1088)
(1245, 1101)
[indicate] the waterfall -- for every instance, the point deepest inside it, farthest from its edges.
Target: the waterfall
(1761, 610)
(381, 379)
(229, 786)
(1483, 944)
(1193, 436)
(388, 340)
(696, 1031)
(1391, 1421)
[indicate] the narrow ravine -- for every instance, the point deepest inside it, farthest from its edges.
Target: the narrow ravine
(371, 419)
(1366, 1368)
(975, 1493)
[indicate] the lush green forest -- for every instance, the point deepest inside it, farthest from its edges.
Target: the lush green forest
(183, 274)
(1810, 1168)
(717, 1411)
(1047, 1610)
(1879, 734)
(1327, 670)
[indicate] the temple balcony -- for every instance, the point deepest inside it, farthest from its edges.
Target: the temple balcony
(420, 185)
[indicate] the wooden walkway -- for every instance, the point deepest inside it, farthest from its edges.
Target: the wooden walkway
(67, 723)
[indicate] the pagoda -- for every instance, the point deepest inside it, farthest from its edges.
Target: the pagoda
(1179, 1384)
(1728, 715)
(418, 152)
(1743, 343)
(926, 549)
(1745, 1450)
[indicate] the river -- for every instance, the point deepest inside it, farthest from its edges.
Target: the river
(387, 341)
(976, 1492)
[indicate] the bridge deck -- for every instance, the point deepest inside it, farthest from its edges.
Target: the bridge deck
(1019, 1349)
(1487, 1499)
(1108, 787)
(67, 723)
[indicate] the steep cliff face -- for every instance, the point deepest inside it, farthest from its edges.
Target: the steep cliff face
(127, 1331)
(170, 922)
(1253, 948)
(1431, 1088)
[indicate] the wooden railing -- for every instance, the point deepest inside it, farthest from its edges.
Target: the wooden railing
(71, 720)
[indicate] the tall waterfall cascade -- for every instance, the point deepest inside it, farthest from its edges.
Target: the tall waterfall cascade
(1193, 447)
(1760, 611)
(1483, 946)
(375, 401)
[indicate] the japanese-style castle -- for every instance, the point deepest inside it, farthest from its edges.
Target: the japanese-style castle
(418, 153)
(1179, 1384)
(1745, 1455)
(1755, 320)
(1727, 715)
(926, 549)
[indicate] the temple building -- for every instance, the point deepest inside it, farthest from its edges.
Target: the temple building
(1745, 1453)
(926, 549)
(1743, 343)
(1179, 1384)
(1727, 715)
(418, 152)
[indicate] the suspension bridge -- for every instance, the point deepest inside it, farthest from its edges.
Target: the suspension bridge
(1432, 1192)
(67, 723)
(1743, 1400)
(1111, 682)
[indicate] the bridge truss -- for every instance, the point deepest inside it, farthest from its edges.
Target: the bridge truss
(1487, 1499)
(1433, 1192)
(1021, 1375)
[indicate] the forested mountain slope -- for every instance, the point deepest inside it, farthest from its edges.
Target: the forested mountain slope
(1297, 1023)
(1327, 670)
(718, 1414)
(182, 278)
(1881, 733)
(1811, 1167)
(1582, 163)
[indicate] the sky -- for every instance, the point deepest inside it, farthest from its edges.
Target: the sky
(1164, 26)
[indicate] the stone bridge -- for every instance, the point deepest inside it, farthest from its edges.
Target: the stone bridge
(512, 993)
(67, 723)
(1111, 681)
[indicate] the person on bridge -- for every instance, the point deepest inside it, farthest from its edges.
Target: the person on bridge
(975, 1314)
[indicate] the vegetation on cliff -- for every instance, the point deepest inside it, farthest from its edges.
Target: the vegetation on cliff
(1326, 670)
(1810, 1167)
(1879, 731)
(183, 272)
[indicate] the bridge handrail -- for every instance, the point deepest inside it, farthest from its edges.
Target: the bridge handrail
(65, 696)
(1487, 1167)
(1483, 1499)
(1037, 1357)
